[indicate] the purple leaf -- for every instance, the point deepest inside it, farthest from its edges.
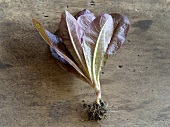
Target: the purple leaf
(71, 34)
(85, 11)
(85, 20)
(121, 27)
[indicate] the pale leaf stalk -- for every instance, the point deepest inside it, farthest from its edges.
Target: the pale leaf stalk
(97, 91)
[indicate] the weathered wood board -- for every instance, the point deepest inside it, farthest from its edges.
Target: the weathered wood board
(36, 92)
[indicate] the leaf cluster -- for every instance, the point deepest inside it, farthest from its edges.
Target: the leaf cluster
(83, 42)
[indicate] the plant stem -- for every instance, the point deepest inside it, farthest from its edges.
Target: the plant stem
(98, 98)
(98, 92)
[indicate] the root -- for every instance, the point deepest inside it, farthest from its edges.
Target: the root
(97, 111)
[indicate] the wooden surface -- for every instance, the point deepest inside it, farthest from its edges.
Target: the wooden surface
(36, 92)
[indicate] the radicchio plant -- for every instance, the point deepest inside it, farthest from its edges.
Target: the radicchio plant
(83, 43)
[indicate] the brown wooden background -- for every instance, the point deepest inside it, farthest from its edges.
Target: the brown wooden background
(36, 92)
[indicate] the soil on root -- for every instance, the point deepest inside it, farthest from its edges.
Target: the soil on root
(97, 111)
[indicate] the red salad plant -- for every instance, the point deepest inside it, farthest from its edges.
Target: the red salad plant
(82, 45)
